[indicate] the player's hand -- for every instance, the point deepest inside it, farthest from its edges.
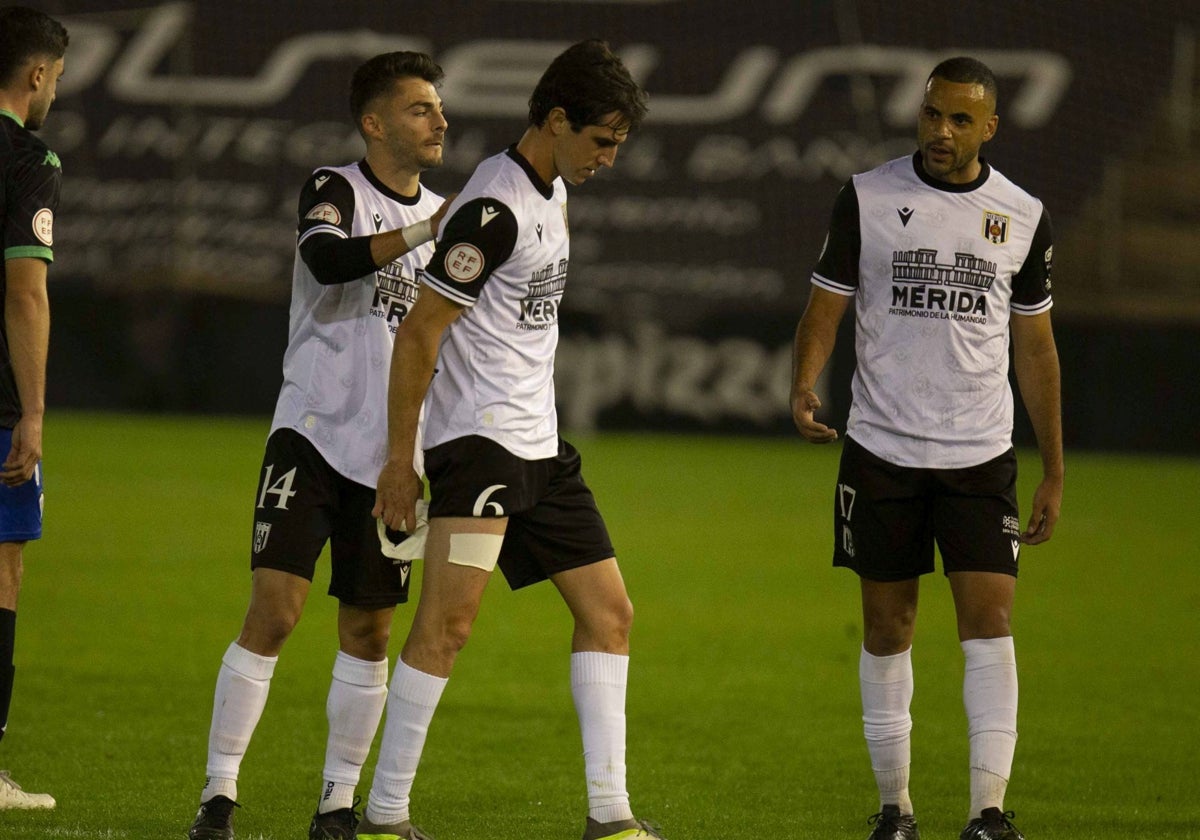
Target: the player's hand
(1047, 502)
(25, 453)
(435, 221)
(804, 403)
(396, 495)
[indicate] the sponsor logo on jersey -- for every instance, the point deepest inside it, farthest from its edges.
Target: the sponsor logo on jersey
(539, 231)
(926, 288)
(375, 217)
(488, 214)
(464, 262)
(262, 531)
(321, 179)
(995, 227)
(324, 212)
(395, 293)
(1049, 257)
(905, 213)
(43, 226)
(539, 309)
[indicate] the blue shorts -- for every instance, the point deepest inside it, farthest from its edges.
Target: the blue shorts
(21, 506)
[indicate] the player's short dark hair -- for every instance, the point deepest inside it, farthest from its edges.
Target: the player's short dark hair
(27, 33)
(377, 75)
(966, 70)
(588, 82)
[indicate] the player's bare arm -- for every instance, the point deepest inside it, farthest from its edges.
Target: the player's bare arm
(816, 335)
(27, 321)
(414, 356)
(1035, 360)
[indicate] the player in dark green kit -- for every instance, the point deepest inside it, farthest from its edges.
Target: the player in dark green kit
(32, 46)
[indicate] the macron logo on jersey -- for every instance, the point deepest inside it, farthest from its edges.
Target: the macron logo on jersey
(489, 213)
(321, 179)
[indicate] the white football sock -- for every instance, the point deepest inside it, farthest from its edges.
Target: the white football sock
(886, 684)
(356, 698)
(241, 695)
(598, 682)
(410, 706)
(990, 698)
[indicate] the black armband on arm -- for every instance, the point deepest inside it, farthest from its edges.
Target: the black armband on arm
(332, 259)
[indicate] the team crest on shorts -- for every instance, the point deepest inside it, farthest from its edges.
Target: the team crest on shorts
(262, 530)
(995, 227)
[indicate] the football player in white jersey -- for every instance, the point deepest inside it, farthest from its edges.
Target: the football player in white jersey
(505, 489)
(364, 232)
(947, 263)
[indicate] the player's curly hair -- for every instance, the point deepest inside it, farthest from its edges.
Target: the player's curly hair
(376, 76)
(588, 82)
(966, 70)
(27, 33)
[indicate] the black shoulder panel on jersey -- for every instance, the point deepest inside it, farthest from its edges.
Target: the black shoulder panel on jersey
(326, 199)
(1031, 284)
(843, 245)
(477, 239)
(332, 259)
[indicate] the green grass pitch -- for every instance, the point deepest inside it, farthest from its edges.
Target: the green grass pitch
(744, 717)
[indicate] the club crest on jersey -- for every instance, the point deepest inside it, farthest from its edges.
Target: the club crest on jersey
(464, 262)
(43, 226)
(262, 530)
(995, 227)
(324, 212)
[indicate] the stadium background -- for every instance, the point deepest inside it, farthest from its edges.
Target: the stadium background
(185, 130)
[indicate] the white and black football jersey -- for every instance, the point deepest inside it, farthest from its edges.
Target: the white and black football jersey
(936, 270)
(502, 253)
(335, 368)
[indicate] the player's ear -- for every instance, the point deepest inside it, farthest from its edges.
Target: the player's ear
(558, 121)
(370, 125)
(39, 73)
(989, 128)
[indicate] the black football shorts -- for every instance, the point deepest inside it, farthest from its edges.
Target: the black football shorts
(553, 522)
(887, 518)
(301, 504)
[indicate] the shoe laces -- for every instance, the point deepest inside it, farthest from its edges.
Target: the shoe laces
(1004, 818)
(653, 829)
(887, 818)
(6, 779)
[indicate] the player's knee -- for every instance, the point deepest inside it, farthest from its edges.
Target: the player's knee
(608, 627)
(887, 638)
(438, 638)
(621, 616)
(265, 630)
(991, 623)
(369, 645)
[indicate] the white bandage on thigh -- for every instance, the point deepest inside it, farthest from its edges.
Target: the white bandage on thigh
(479, 550)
